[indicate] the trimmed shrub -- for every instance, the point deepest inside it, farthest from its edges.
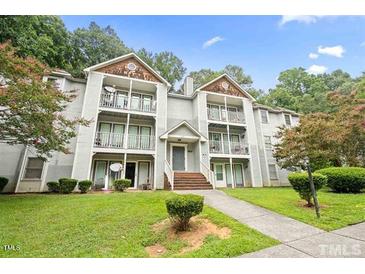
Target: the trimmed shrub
(3, 183)
(182, 207)
(300, 183)
(122, 184)
(85, 185)
(345, 179)
(53, 187)
(67, 185)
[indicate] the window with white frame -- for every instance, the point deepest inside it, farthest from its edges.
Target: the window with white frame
(287, 119)
(34, 168)
(267, 140)
(264, 118)
(272, 172)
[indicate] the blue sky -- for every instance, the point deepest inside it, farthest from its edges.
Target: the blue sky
(263, 45)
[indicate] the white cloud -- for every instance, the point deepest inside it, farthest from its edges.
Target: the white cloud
(313, 55)
(362, 44)
(212, 41)
(306, 19)
(315, 69)
(336, 51)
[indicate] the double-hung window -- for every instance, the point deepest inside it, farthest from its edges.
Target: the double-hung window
(264, 116)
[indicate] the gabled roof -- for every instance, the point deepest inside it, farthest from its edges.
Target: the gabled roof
(184, 123)
(232, 81)
(124, 57)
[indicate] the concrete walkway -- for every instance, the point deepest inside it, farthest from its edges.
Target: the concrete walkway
(298, 239)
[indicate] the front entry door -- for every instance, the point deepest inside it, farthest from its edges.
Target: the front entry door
(130, 172)
(178, 158)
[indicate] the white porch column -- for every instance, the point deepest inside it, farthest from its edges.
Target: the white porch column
(106, 181)
(129, 95)
(229, 140)
(126, 132)
(231, 167)
(124, 165)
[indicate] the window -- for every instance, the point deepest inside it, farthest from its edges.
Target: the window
(219, 172)
(34, 168)
(287, 119)
(267, 140)
(264, 118)
(272, 172)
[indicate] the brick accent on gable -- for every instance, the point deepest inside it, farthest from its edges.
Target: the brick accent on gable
(120, 68)
(216, 86)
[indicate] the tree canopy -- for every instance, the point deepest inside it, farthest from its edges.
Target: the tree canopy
(336, 137)
(31, 110)
(94, 45)
(169, 66)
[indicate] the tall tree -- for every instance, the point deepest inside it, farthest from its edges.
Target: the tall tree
(333, 138)
(94, 45)
(168, 65)
(31, 110)
(44, 37)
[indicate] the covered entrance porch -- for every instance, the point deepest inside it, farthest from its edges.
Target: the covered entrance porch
(138, 168)
(230, 172)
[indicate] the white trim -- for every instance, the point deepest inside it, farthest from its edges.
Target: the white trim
(267, 115)
(290, 118)
(165, 135)
(126, 56)
(185, 155)
(232, 82)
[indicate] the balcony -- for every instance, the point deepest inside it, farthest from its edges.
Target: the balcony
(116, 140)
(222, 147)
(121, 101)
(223, 115)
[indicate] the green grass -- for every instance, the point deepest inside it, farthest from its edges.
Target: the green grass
(337, 210)
(106, 225)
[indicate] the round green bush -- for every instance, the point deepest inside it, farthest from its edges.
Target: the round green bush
(182, 207)
(300, 183)
(122, 184)
(345, 179)
(85, 185)
(67, 185)
(53, 187)
(3, 183)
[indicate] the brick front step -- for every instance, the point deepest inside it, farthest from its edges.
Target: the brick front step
(192, 187)
(190, 180)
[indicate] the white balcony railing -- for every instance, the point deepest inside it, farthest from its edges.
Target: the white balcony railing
(224, 116)
(222, 147)
(143, 104)
(107, 139)
(236, 117)
(144, 142)
(114, 100)
(169, 174)
(115, 140)
(120, 101)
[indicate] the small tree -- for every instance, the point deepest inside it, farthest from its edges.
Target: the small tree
(301, 184)
(31, 110)
(182, 207)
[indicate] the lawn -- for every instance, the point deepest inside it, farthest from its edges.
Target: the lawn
(107, 225)
(337, 210)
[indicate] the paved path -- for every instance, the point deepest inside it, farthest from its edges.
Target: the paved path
(298, 239)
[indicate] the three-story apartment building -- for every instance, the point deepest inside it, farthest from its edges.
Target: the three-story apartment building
(214, 136)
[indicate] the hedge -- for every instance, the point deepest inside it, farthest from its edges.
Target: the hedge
(300, 183)
(345, 179)
(3, 183)
(67, 185)
(122, 184)
(54, 187)
(85, 185)
(182, 207)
